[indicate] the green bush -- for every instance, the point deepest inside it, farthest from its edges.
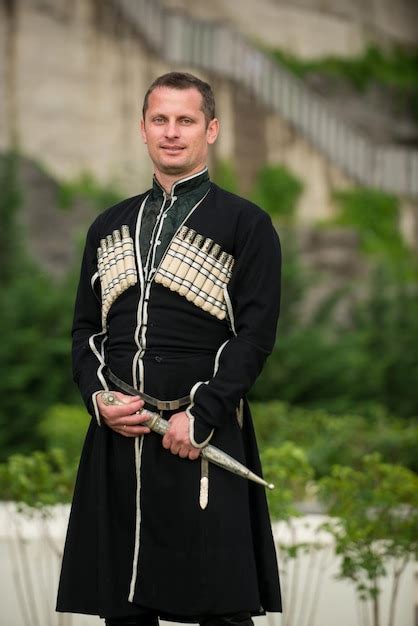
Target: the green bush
(35, 318)
(35, 358)
(39, 479)
(86, 186)
(368, 358)
(398, 68)
(276, 190)
(375, 509)
(64, 426)
(328, 439)
(225, 176)
(375, 216)
(288, 468)
(11, 252)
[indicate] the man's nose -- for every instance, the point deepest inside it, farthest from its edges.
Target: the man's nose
(171, 130)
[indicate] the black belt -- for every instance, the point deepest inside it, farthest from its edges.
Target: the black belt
(161, 405)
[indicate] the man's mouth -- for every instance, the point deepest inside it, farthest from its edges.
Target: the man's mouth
(172, 149)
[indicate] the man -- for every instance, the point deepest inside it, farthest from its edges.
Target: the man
(177, 305)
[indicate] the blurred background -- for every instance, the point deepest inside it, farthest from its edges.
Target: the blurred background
(318, 103)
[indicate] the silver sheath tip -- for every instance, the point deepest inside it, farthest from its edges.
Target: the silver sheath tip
(270, 486)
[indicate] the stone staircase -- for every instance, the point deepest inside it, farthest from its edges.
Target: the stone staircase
(217, 48)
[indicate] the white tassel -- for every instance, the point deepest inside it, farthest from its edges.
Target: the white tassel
(204, 484)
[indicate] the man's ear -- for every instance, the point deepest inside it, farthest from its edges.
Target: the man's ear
(143, 131)
(212, 130)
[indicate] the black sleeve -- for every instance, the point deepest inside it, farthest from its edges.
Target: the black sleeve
(254, 292)
(87, 332)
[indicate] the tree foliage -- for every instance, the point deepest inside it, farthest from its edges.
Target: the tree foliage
(64, 426)
(397, 67)
(277, 190)
(10, 237)
(35, 318)
(38, 479)
(328, 438)
(319, 361)
(375, 215)
(225, 176)
(376, 521)
(86, 186)
(288, 468)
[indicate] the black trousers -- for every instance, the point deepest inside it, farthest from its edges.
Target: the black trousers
(238, 619)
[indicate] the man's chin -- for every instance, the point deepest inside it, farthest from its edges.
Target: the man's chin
(174, 169)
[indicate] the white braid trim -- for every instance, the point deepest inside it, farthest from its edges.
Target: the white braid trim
(96, 408)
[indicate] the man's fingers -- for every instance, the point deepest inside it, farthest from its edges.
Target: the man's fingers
(180, 446)
(132, 431)
(129, 413)
(183, 451)
(131, 424)
(186, 452)
(125, 398)
(132, 420)
(117, 410)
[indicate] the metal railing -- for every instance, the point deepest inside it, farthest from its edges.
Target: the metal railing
(216, 47)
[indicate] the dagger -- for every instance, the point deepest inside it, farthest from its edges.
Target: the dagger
(159, 425)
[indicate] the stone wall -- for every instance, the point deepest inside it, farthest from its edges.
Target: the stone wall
(313, 28)
(74, 86)
(74, 75)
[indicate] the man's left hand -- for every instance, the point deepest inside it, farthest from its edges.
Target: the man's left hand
(177, 440)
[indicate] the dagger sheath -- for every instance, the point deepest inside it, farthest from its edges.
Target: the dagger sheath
(159, 425)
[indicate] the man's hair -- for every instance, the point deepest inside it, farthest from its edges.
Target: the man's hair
(182, 80)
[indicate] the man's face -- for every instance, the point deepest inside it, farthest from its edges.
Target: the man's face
(175, 131)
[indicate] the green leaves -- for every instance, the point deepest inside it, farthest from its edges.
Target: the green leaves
(225, 176)
(398, 68)
(367, 358)
(43, 478)
(375, 216)
(287, 467)
(328, 438)
(86, 186)
(277, 190)
(38, 480)
(10, 199)
(376, 511)
(35, 317)
(64, 426)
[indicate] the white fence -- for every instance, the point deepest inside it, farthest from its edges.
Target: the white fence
(30, 556)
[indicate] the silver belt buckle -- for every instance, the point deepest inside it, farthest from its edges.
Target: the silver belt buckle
(168, 406)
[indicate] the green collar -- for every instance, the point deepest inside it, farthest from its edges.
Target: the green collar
(183, 185)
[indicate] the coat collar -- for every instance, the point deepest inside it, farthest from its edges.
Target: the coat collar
(183, 185)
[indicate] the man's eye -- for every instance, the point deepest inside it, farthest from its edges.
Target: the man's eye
(158, 120)
(186, 121)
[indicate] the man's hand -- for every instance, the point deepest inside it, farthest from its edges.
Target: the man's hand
(177, 439)
(124, 419)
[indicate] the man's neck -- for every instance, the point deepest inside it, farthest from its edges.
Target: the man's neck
(166, 181)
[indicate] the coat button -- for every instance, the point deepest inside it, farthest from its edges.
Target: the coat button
(159, 359)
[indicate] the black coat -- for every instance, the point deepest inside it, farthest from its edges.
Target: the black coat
(137, 536)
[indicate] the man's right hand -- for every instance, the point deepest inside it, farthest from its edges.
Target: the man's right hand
(124, 419)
